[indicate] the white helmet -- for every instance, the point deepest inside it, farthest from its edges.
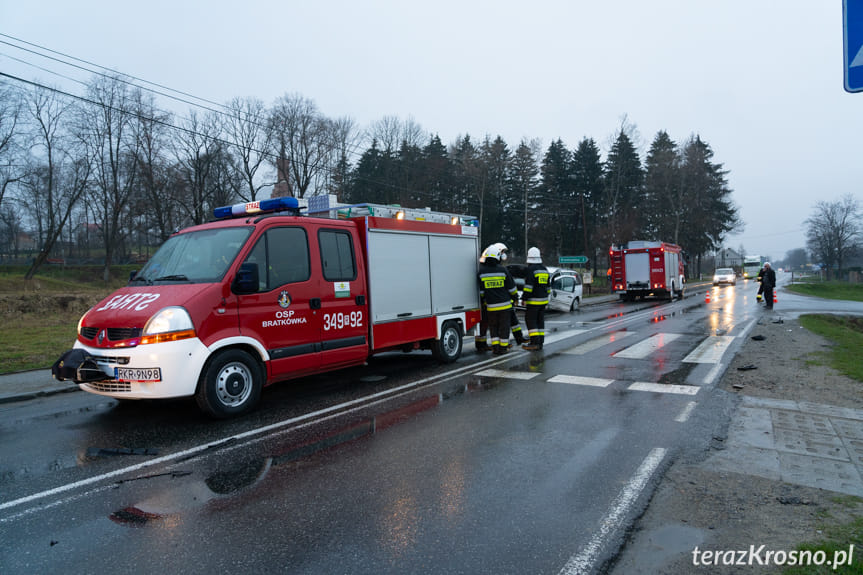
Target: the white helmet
(492, 251)
(502, 248)
(533, 256)
(497, 251)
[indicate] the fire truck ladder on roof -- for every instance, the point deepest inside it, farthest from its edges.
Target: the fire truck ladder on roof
(391, 211)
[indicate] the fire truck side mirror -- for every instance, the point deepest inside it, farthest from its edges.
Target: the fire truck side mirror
(246, 281)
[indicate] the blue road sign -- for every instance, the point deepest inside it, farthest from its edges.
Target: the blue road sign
(852, 14)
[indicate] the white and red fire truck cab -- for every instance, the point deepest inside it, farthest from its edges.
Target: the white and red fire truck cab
(647, 268)
(263, 295)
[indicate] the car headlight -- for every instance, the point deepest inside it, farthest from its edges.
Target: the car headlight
(169, 324)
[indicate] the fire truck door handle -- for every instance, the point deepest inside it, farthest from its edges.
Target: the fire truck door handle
(315, 303)
(361, 300)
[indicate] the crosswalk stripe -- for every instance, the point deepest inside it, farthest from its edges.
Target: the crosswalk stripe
(507, 374)
(579, 380)
(664, 388)
(710, 350)
(598, 342)
(648, 346)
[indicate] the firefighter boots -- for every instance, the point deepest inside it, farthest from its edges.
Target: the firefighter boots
(519, 337)
(534, 345)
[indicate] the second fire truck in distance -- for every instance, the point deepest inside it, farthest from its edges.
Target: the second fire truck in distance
(643, 268)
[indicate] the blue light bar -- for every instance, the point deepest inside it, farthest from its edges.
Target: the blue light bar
(259, 207)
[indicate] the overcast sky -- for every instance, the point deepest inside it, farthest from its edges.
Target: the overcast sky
(760, 80)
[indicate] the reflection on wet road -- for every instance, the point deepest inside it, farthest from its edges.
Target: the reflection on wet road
(534, 462)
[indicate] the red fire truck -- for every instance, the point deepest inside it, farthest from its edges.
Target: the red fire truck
(264, 294)
(642, 268)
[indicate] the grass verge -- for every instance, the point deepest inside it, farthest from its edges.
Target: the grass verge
(846, 333)
(36, 340)
(828, 290)
(841, 543)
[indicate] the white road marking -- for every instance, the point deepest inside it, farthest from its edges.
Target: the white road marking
(648, 346)
(579, 380)
(711, 375)
(281, 426)
(598, 342)
(664, 388)
(613, 520)
(683, 416)
(554, 337)
(507, 374)
(710, 350)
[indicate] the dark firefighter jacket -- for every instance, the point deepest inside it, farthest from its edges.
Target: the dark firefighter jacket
(536, 285)
(496, 286)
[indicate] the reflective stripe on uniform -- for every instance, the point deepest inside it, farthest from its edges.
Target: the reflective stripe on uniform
(536, 301)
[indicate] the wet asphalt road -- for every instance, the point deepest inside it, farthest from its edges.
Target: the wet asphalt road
(536, 462)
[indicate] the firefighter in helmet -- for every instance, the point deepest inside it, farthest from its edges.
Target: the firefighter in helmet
(535, 297)
(498, 294)
(481, 341)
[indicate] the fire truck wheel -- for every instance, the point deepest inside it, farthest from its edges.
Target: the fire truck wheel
(230, 384)
(448, 348)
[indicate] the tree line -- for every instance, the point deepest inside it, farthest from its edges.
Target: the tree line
(108, 175)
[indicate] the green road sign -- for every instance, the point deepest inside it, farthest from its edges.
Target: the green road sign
(572, 260)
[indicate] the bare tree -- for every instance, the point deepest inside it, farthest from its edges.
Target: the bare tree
(302, 140)
(10, 229)
(197, 149)
(104, 126)
(249, 137)
(391, 133)
(835, 232)
(11, 162)
(345, 139)
(157, 196)
(60, 172)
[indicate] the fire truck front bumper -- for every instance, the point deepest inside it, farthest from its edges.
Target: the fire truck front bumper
(154, 371)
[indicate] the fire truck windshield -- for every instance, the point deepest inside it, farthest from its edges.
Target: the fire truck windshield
(195, 257)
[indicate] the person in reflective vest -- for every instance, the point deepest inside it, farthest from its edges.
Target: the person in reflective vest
(498, 293)
(481, 340)
(513, 317)
(535, 297)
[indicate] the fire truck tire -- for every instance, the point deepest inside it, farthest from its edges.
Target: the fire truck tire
(448, 348)
(230, 384)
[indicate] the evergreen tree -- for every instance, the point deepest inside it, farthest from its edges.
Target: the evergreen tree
(519, 203)
(588, 186)
(468, 178)
(624, 192)
(663, 200)
(496, 157)
(437, 177)
(409, 185)
(709, 214)
(368, 182)
(557, 222)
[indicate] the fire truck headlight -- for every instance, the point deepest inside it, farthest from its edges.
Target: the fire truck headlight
(81, 320)
(169, 324)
